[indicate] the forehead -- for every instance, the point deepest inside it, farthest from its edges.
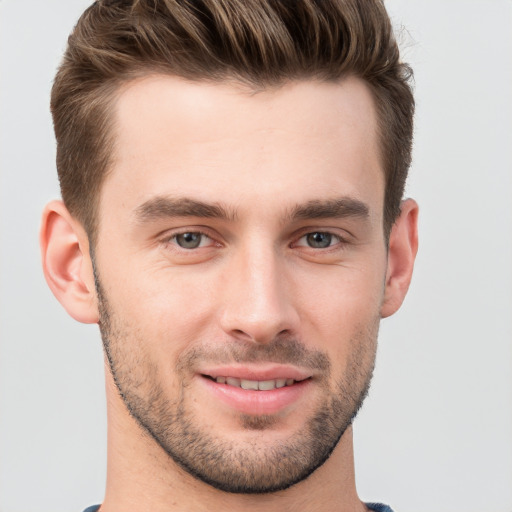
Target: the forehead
(224, 142)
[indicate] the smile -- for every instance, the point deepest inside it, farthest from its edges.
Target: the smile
(256, 390)
(255, 385)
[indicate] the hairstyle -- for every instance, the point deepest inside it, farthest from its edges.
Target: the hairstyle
(261, 43)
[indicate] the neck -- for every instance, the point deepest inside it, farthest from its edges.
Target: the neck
(141, 476)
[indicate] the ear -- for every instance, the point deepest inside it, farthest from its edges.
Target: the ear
(67, 265)
(403, 246)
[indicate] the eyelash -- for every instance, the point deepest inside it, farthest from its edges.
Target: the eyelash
(333, 237)
(172, 240)
(339, 240)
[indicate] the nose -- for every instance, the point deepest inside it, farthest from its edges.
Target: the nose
(258, 301)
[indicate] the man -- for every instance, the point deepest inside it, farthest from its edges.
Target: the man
(232, 218)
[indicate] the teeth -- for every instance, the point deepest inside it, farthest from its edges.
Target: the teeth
(267, 385)
(261, 385)
(249, 384)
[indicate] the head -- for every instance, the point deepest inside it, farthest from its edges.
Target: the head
(232, 175)
(262, 44)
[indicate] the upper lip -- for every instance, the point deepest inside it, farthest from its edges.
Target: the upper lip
(260, 372)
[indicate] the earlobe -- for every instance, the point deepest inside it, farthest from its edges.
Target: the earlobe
(66, 262)
(403, 246)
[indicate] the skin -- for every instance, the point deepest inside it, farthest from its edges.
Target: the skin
(261, 156)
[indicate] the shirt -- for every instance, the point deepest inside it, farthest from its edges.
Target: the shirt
(376, 507)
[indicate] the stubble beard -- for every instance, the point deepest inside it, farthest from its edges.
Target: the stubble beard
(248, 468)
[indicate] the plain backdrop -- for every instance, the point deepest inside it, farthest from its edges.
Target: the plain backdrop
(436, 431)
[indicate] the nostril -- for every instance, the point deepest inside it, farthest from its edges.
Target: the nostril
(252, 325)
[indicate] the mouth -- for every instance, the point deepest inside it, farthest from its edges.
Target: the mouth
(255, 385)
(256, 390)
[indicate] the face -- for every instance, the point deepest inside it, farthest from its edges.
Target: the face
(240, 268)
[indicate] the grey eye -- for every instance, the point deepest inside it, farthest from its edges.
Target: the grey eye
(189, 240)
(319, 240)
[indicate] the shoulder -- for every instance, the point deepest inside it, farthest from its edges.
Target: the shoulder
(375, 507)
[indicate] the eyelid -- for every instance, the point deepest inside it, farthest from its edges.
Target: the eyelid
(336, 238)
(342, 235)
(169, 236)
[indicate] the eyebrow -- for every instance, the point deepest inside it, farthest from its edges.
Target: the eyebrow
(163, 207)
(339, 208)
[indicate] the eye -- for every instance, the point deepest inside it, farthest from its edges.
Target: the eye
(319, 240)
(191, 240)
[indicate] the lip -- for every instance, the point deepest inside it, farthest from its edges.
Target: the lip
(257, 372)
(253, 402)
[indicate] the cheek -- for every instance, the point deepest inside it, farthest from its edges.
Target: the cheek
(342, 291)
(170, 308)
(343, 306)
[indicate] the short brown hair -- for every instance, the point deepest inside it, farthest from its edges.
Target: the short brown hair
(258, 42)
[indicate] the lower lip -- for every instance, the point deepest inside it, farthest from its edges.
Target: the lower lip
(248, 401)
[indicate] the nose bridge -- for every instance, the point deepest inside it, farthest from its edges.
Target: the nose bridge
(257, 305)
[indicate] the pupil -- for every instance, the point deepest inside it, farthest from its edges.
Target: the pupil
(189, 240)
(319, 240)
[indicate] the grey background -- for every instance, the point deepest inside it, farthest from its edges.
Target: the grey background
(436, 431)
